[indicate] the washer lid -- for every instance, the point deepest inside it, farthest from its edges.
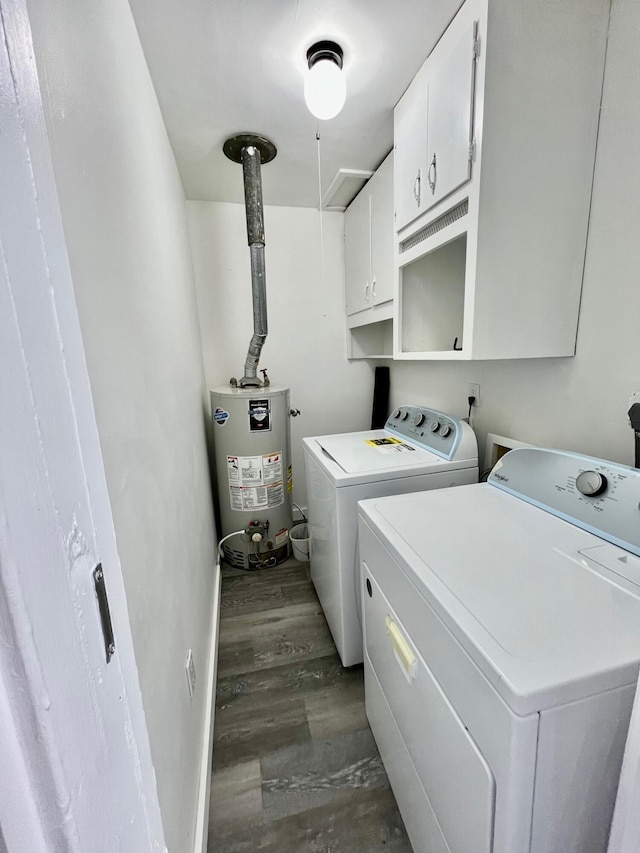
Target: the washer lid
(376, 450)
(542, 618)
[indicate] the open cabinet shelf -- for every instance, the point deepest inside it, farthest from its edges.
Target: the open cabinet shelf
(371, 339)
(432, 300)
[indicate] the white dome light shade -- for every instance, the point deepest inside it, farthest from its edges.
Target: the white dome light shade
(325, 86)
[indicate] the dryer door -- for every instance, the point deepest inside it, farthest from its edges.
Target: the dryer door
(456, 778)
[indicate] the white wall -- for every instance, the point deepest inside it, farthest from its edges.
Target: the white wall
(306, 346)
(124, 218)
(575, 403)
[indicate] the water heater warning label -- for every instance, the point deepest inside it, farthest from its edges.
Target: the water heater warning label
(255, 482)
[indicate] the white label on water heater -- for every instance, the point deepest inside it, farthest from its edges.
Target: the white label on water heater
(255, 482)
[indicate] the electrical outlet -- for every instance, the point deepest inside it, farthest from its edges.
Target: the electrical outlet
(634, 398)
(191, 674)
(474, 391)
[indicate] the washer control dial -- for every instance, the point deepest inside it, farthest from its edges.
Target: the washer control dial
(435, 426)
(418, 419)
(444, 430)
(397, 413)
(404, 416)
(591, 483)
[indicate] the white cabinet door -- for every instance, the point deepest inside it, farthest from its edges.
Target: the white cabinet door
(357, 248)
(382, 236)
(450, 121)
(410, 134)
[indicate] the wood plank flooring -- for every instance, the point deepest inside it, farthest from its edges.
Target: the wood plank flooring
(295, 766)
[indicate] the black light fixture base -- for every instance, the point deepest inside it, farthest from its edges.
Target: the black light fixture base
(232, 148)
(324, 50)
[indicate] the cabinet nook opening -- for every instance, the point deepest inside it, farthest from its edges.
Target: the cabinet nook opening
(432, 298)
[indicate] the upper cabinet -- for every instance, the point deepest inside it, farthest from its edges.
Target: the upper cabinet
(433, 128)
(369, 266)
(369, 242)
(410, 146)
(450, 102)
(357, 252)
(382, 233)
(495, 145)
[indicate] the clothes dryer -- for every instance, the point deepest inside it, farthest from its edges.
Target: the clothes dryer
(502, 645)
(419, 448)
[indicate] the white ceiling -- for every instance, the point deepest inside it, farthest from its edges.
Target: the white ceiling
(222, 67)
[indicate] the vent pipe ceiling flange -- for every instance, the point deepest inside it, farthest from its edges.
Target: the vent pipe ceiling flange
(251, 150)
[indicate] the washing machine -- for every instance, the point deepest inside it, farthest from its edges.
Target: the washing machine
(502, 645)
(418, 448)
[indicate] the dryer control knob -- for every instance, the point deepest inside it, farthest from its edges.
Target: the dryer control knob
(435, 426)
(444, 430)
(591, 483)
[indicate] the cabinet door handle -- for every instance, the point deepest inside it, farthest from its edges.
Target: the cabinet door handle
(373, 289)
(416, 188)
(366, 292)
(432, 171)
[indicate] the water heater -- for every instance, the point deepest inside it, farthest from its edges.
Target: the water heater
(253, 463)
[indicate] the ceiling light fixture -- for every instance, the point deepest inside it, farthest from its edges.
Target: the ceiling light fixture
(325, 86)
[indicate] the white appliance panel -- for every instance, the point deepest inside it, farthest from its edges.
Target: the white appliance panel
(579, 752)
(454, 774)
(371, 466)
(539, 649)
(625, 829)
(508, 742)
(342, 469)
(376, 450)
(451, 582)
(333, 517)
(419, 818)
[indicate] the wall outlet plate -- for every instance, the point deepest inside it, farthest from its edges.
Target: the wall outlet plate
(191, 674)
(474, 391)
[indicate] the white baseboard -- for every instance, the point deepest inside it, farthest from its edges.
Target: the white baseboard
(202, 815)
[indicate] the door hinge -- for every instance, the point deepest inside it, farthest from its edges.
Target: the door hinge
(105, 615)
(472, 151)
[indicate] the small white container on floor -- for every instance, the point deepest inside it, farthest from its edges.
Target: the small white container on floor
(300, 536)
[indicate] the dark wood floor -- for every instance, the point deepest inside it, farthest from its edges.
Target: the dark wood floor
(295, 766)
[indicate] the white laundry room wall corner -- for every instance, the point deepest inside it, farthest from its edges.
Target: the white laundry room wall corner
(123, 212)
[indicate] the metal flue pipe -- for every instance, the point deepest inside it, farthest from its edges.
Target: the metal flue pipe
(255, 235)
(252, 150)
